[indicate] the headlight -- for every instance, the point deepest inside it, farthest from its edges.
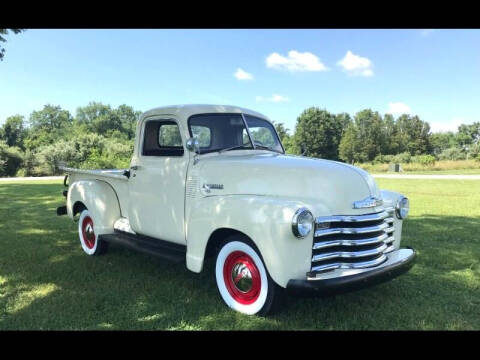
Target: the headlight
(302, 222)
(402, 207)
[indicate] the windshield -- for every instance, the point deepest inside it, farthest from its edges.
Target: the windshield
(224, 132)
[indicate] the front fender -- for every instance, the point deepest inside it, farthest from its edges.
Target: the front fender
(100, 200)
(265, 220)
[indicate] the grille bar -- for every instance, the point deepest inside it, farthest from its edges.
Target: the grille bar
(363, 230)
(356, 265)
(349, 242)
(349, 254)
(353, 218)
(352, 241)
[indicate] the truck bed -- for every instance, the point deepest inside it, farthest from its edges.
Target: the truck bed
(104, 173)
(114, 177)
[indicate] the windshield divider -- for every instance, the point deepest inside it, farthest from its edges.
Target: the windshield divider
(248, 131)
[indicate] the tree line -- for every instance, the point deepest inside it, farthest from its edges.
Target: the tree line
(371, 137)
(99, 136)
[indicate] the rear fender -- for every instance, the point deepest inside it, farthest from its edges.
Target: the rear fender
(100, 200)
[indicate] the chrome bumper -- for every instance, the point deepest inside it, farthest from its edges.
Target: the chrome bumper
(398, 262)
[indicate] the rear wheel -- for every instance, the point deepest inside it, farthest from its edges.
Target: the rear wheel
(242, 279)
(91, 245)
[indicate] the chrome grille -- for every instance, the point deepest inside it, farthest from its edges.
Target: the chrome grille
(352, 241)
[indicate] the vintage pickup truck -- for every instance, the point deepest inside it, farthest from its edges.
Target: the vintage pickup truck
(214, 180)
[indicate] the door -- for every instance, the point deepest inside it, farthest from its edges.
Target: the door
(157, 182)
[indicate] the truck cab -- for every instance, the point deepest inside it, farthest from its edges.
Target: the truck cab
(214, 180)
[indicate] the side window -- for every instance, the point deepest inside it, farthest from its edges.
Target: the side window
(169, 136)
(162, 138)
(203, 134)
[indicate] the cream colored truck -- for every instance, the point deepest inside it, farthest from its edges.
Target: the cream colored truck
(208, 180)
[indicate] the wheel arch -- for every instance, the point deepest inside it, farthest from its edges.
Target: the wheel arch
(219, 235)
(78, 207)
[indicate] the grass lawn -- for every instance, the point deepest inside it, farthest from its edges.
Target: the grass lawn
(46, 282)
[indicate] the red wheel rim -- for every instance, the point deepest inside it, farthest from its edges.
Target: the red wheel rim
(87, 232)
(242, 277)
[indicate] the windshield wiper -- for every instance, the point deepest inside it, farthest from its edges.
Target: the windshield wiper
(234, 148)
(266, 148)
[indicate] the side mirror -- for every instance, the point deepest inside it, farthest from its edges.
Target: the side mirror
(193, 145)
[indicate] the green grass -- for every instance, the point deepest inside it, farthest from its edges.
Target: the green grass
(46, 282)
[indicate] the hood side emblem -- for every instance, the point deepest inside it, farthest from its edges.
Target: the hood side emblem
(208, 187)
(368, 202)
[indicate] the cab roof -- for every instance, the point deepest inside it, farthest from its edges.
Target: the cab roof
(183, 112)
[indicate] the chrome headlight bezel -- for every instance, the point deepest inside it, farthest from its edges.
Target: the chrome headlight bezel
(402, 207)
(298, 220)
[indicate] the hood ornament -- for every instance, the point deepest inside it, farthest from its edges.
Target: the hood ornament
(368, 202)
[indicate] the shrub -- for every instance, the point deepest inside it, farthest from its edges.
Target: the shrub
(404, 158)
(11, 158)
(383, 159)
(427, 160)
(21, 172)
(452, 153)
(474, 152)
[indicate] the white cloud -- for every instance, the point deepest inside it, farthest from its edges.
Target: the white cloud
(295, 61)
(241, 74)
(274, 98)
(452, 125)
(398, 108)
(356, 65)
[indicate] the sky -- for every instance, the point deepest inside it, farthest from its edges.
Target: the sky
(434, 74)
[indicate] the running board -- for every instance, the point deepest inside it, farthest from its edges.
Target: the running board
(146, 244)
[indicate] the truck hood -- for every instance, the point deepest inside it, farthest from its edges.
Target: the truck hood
(333, 184)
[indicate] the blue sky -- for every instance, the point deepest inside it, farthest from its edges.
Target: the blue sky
(431, 73)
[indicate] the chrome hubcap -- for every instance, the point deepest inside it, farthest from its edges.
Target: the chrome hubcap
(242, 277)
(89, 231)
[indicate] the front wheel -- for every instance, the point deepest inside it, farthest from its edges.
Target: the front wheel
(91, 245)
(242, 279)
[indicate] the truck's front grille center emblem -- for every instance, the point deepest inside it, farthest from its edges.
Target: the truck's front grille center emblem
(368, 202)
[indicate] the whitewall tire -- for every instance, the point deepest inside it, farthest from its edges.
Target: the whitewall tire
(242, 279)
(91, 245)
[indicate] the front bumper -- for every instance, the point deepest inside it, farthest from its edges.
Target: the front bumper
(400, 261)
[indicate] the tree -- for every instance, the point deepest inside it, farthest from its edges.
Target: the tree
(128, 118)
(13, 131)
(2, 39)
(371, 134)
(318, 132)
(414, 135)
(47, 126)
(50, 118)
(99, 118)
(442, 141)
(391, 145)
(468, 134)
(344, 120)
(349, 149)
(282, 131)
